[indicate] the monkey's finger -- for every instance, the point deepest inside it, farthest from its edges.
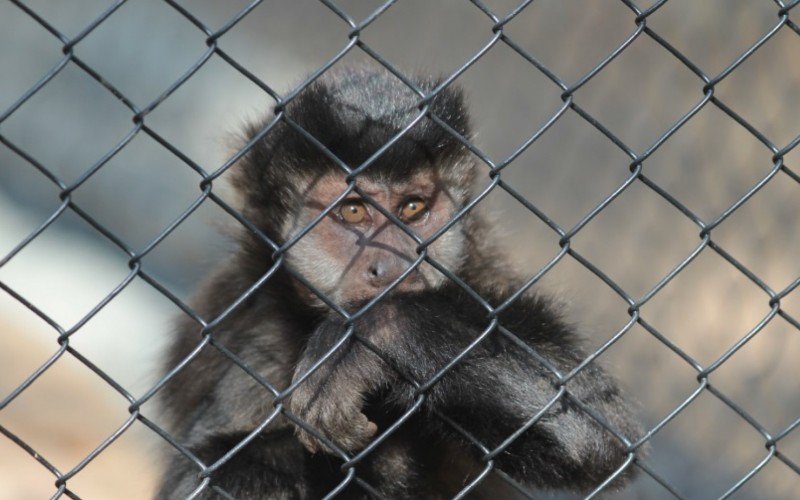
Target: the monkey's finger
(364, 430)
(308, 441)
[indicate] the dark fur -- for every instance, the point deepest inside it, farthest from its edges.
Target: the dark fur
(212, 404)
(353, 113)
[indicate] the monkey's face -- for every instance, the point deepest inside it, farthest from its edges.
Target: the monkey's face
(355, 252)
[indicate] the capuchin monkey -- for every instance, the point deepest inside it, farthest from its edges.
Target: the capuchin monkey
(388, 356)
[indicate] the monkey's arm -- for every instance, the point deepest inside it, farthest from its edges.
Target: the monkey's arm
(497, 388)
(330, 398)
(491, 393)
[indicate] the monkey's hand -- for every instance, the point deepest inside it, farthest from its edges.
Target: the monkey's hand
(331, 399)
(331, 404)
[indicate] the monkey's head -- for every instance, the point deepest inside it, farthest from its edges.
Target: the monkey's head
(424, 178)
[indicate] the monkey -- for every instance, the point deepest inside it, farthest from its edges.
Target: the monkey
(390, 276)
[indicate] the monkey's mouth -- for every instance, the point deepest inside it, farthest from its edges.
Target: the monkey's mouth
(413, 283)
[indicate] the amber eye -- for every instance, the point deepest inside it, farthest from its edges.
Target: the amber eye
(353, 211)
(413, 209)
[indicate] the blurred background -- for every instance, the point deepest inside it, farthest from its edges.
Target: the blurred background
(709, 164)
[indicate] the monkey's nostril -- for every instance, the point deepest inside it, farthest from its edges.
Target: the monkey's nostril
(374, 271)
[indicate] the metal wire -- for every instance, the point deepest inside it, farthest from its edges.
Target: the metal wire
(570, 95)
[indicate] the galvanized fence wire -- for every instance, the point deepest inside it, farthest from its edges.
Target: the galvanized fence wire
(570, 94)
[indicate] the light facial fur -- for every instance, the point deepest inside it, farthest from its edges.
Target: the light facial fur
(333, 256)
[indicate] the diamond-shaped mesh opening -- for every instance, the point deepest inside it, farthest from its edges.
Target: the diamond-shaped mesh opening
(763, 213)
(663, 238)
(696, 165)
(72, 109)
(308, 32)
(546, 171)
(428, 28)
(722, 309)
(772, 117)
(624, 100)
(712, 46)
(53, 289)
(738, 452)
(590, 31)
(759, 376)
(641, 162)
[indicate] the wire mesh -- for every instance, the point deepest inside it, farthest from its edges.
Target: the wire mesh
(496, 31)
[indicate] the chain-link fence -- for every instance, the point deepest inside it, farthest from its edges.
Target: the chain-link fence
(773, 452)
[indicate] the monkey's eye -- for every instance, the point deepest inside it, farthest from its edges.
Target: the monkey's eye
(353, 211)
(413, 209)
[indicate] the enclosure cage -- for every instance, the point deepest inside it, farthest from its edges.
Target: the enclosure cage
(640, 157)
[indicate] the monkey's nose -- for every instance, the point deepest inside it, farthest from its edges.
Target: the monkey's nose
(377, 271)
(381, 272)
